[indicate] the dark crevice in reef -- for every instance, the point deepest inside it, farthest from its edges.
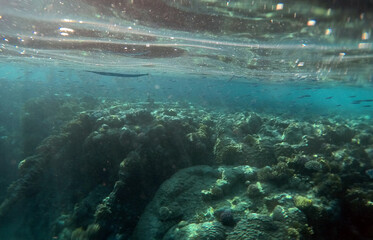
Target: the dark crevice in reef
(93, 177)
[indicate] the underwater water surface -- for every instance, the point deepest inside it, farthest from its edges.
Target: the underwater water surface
(186, 119)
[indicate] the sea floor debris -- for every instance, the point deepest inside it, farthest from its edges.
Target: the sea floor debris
(178, 171)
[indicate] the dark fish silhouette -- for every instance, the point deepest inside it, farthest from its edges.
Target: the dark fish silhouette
(112, 74)
(328, 97)
(367, 106)
(304, 96)
(360, 101)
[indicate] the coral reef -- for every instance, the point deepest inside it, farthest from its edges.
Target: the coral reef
(45, 115)
(225, 216)
(176, 171)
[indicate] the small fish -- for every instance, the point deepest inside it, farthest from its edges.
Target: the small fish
(112, 74)
(360, 101)
(305, 96)
(329, 97)
(352, 96)
(366, 106)
(338, 105)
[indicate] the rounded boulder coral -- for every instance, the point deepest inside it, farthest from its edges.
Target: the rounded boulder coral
(225, 216)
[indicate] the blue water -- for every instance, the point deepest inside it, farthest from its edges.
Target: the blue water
(296, 99)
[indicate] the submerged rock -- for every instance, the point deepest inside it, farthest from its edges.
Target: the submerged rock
(293, 134)
(196, 231)
(302, 202)
(339, 134)
(257, 226)
(228, 152)
(254, 123)
(139, 117)
(225, 216)
(180, 191)
(313, 165)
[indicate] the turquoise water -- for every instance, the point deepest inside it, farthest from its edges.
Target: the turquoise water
(298, 99)
(186, 119)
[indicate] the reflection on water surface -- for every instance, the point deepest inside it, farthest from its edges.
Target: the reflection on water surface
(267, 40)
